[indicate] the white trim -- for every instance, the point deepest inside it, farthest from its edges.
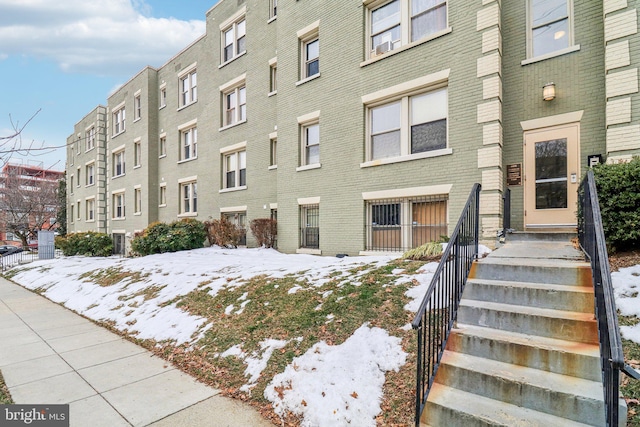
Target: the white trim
(550, 55)
(118, 191)
(308, 79)
(306, 251)
(560, 119)
(88, 128)
(162, 86)
(407, 46)
(430, 190)
(187, 179)
(187, 125)
(116, 108)
(119, 231)
(138, 139)
(187, 70)
(92, 161)
(162, 184)
(138, 92)
(309, 30)
(399, 159)
(163, 135)
(190, 159)
(308, 167)
(187, 214)
(406, 88)
(232, 125)
(309, 118)
(90, 198)
(137, 186)
(233, 209)
(233, 83)
(309, 201)
(272, 167)
(273, 61)
(232, 59)
(273, 206)
(235, 147)
(273, 135)
(118, 149)
(236, 16)
(232, 189)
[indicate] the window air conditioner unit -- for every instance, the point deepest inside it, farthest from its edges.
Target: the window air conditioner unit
(383, 48)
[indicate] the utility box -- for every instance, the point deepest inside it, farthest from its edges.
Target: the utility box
(46, 244)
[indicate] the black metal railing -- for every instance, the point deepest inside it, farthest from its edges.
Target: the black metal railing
(439, 308)
(593, 243)
(17, 258)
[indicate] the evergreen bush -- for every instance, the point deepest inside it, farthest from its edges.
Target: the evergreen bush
(87, 243)
(160, 237)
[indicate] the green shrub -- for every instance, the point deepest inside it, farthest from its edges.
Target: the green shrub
(223, 233)
(428, 250)
(265, 231)
(619, 195)
(87, 243)
(160, 237)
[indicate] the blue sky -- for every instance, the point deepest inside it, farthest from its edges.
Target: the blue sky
(61, 58)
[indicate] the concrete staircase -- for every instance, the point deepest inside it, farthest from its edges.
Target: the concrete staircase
(525, 348)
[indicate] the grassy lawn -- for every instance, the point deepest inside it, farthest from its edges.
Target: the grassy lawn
(5, 397)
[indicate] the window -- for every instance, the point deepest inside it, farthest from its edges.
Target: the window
(162, 148)
(71, 212)
(118, 121)
(400, 22)
(118, 163)
(310, 144)
(233, 38)
(239, 219)
(311, 58)
(163, 97)
(118, 205)
(410, 125)
(273, 143)
(189, 196)
(137, 107)
(71, 186)
(273, 81)
(405, 223)
(91, 207)
(137, 199)
(189, 138)
(550, 26)
(90, 173)
(163, 195)
(78, 209)
(235, 169)
(273, 8)
(137, 154)
(90, 137)
(235, 106)
(310, 226)
(188, 88)
(78, 174)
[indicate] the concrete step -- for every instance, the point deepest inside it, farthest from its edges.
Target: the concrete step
(567, 325)
(520, 236)
(559, 297)
(559, 395)
(548, 354)
(534, 270)
(453, 407)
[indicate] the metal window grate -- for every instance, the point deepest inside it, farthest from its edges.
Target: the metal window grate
(310, 226)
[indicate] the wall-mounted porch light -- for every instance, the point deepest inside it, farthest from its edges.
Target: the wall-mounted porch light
(549, 91)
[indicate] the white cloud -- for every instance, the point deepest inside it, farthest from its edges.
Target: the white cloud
(103, 37)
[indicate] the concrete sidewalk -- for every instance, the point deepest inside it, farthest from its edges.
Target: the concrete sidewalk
(50, 355)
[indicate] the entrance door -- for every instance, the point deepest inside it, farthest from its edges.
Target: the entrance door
(551, 177)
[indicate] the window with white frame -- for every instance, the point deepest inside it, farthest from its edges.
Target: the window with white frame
(71, 208)
(118, 205)
(137, 107)
(79, 183)
(235, 106)
(163, 96)
(189, 143)
(163, 195)
(90, 208)
(137, 200)
(137, 153)
(78, 211)
(188, 88)
(162, 147)
(273, 77)
(235, 169)
(71, 182)
(90, 136)
(550, 26)
(90, 171)
(404, 223)
(409, 125)
(396, 23)
(118, 121)
(273, 8)
(189, 198)
(310, 144)
(310, 57)
(273, 149)
(310, 226)
(233, 39)
(118, 163)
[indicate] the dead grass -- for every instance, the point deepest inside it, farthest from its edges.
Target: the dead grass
(113, 275)
(5, 396)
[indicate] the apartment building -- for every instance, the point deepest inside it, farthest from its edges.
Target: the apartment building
(361, 125)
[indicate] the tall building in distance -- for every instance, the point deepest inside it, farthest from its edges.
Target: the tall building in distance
(361, 125)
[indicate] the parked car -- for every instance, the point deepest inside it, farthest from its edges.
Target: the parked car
(9, 249)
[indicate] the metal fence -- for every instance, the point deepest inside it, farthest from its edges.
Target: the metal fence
(592, 239)
(439, 308)
(11, 260)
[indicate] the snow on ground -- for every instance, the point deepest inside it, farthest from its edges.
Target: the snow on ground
(328, 385)
(626, 287)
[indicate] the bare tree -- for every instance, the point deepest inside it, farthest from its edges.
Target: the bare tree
(13, 145)
(28, 201)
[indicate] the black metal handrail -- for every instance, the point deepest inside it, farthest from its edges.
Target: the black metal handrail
(435, 318)
(593, 243)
